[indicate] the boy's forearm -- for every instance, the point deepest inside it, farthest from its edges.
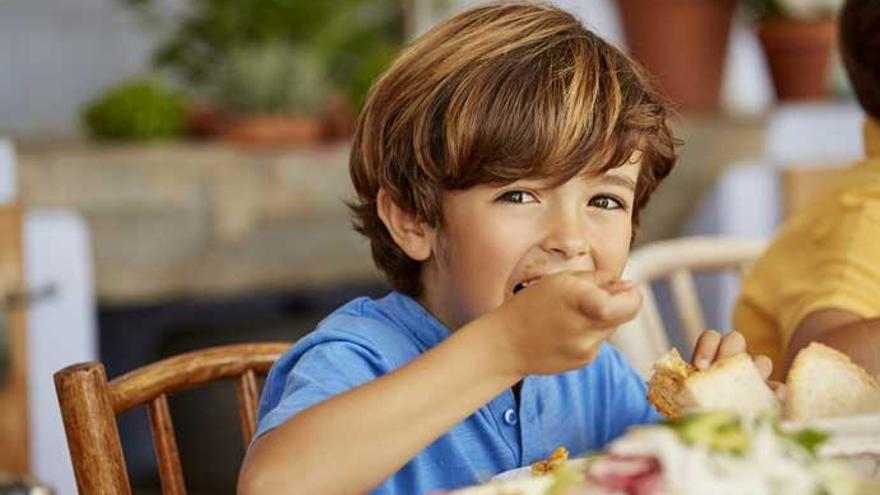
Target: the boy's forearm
(859, 339)
(352, 442)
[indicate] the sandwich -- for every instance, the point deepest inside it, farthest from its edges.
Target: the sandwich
(732, 383)
(822, 383)
(825, 383)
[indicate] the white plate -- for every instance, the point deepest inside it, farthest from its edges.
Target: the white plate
(526, 471)
(854, 440)
(536, 485)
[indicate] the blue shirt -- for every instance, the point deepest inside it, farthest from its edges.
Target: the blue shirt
(582, 409)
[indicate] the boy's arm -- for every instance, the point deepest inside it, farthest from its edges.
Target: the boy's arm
(350, 443)
(843, 330)
(353, 441)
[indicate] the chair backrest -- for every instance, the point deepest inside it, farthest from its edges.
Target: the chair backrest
(89, 406)
(645, 339)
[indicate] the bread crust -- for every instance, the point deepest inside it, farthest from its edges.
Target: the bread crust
(667, 382)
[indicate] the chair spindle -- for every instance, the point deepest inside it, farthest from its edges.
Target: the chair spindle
(165, 444)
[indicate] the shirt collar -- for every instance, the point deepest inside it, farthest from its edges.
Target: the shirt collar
(429, 331)
(872, 137)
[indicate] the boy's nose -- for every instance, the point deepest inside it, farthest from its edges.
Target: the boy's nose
(567, 237)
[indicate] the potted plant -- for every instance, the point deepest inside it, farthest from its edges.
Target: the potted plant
(272, 93)
(798, 37)
(136, 110)
(238, 56)
(683, 43)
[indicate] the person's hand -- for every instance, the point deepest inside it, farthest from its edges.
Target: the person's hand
(558, 323)
(711, 347)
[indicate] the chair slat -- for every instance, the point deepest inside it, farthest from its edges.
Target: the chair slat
(247, 404)
(165, 444)
(687, 304)
(185, 371)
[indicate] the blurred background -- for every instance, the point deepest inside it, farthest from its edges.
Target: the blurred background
(172, 176)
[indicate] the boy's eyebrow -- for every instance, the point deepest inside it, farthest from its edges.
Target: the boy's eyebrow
(618, 180)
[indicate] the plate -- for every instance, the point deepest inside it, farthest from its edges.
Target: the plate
(526, 471)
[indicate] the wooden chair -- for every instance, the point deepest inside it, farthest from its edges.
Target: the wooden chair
(645, 339)
(89, 406)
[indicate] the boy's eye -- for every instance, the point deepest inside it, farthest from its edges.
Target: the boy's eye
(517, 197)
(606, 203)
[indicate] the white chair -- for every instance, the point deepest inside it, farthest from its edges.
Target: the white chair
(645, 339)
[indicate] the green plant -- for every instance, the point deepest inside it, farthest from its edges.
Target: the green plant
(136, 110)
(272, 78)
(352, 39)
(358, 43)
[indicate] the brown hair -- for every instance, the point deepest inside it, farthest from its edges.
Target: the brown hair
(860, 50)
(493, 95)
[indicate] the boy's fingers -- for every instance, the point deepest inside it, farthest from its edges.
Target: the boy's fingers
(764, 365)
(731, 344)
(706, 348)
(610, 308)
(599, 279)
(617, 286)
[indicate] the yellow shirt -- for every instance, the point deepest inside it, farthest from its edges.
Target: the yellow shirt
(827, 256)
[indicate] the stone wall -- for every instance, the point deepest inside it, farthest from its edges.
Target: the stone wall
(178, 220)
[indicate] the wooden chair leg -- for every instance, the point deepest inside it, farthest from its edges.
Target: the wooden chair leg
(92, 434)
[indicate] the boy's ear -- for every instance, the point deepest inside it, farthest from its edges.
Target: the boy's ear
(410, 233)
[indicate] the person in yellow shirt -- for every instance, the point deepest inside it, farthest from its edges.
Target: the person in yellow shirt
(819, 280)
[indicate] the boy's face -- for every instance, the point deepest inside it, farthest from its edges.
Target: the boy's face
(497, 238)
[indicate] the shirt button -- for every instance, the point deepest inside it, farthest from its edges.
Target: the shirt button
(510, 417)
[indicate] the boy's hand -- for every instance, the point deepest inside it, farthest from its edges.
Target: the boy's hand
(711, 347)
(558, 323)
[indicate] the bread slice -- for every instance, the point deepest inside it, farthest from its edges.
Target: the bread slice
(825, 383)
(732, 384)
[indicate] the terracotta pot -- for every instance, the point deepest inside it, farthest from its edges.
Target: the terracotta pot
(274, 130)
(683, 43)
(799, 54)
(204, 120)
(339, 119)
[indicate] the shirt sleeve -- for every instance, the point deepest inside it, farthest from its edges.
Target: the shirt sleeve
(321, 372)
(846, 274)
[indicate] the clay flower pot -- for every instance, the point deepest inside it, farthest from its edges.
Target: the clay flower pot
(683, 43)
(205, 120)
(274, 130)
(798, 54)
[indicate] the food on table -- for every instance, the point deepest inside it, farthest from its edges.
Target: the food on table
(725, 437)
(732, 383)
(825, 383)
(719, 453)
(557, 459)
(822, 383)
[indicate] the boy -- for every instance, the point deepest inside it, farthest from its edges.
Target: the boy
(820, 278)
(500, 165)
